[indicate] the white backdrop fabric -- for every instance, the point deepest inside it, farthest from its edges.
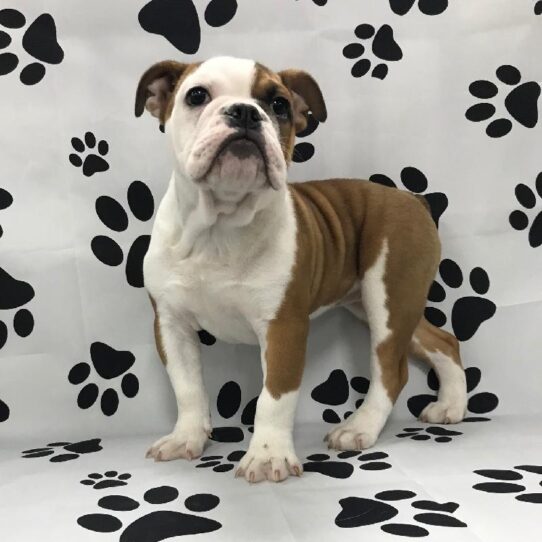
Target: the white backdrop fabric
(82, 391)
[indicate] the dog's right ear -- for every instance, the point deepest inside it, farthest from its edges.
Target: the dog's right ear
(156, 87)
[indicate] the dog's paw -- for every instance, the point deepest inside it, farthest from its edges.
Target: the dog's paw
(269, 462)
(350, 438)
(441, 412)
(185, 444)
(359, 432)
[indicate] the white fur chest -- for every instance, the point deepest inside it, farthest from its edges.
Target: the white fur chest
(230, 281)
(213, 296)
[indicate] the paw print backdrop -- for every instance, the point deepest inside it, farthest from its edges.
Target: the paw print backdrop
(438, 97)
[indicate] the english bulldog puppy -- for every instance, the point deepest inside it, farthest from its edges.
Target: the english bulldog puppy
(238, 251)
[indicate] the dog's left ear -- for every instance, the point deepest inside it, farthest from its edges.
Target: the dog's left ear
(156, 87)
(307, 97)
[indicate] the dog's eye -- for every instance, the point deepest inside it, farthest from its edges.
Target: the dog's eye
(281, 107)
(197, 96)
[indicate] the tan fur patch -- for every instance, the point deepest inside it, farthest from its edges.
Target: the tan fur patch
(170, 75)
(393, 365)
(285, 354)
(307, 96)
(189, 69)
(432, 339)
(267, 86)
(341, 227)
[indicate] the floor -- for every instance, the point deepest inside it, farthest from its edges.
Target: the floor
(481, 482)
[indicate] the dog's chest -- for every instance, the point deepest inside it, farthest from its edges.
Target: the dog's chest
(218, 298)
(228, 284)
(228, 296)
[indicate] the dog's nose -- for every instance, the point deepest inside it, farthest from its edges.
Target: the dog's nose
(243, 116)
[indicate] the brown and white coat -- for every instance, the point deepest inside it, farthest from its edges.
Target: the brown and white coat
(239, 252)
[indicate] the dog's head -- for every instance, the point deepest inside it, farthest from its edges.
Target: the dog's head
(232, 121)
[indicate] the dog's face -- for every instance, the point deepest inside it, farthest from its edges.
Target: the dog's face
(232, 122)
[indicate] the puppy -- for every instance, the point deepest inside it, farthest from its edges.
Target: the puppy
(239, 252)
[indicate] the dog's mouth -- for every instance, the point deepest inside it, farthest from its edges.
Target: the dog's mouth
(242, 145)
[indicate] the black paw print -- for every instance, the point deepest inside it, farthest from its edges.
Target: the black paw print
(468, 312)
(479, 403)
(108, 479)
(504, 485)
(217, 462)
(521, 102)
(319, 2)
(6, 199)
(360, 512)
(343, 469)
(416, 182)
(4, 411)
(228, 404)
(335, 391)
(112, 214)
(75, 450)
(39, 41)
(305, 151)
(163, 524)
(436, 433)
(93, 163)
(538, 7)
(427, 7)
(108, 363)
(384, 47)
(13, 295)
(178, 21)
(519, 220)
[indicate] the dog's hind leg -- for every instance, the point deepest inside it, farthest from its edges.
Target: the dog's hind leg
(440, 350)
(392, 321)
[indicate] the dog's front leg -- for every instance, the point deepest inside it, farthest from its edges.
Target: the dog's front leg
(271, 454)
(179, 347)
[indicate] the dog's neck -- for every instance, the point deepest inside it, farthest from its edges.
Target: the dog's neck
(207, 221)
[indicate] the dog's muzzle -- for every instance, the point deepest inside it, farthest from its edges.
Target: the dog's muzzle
(247, 141)
(241, 147)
